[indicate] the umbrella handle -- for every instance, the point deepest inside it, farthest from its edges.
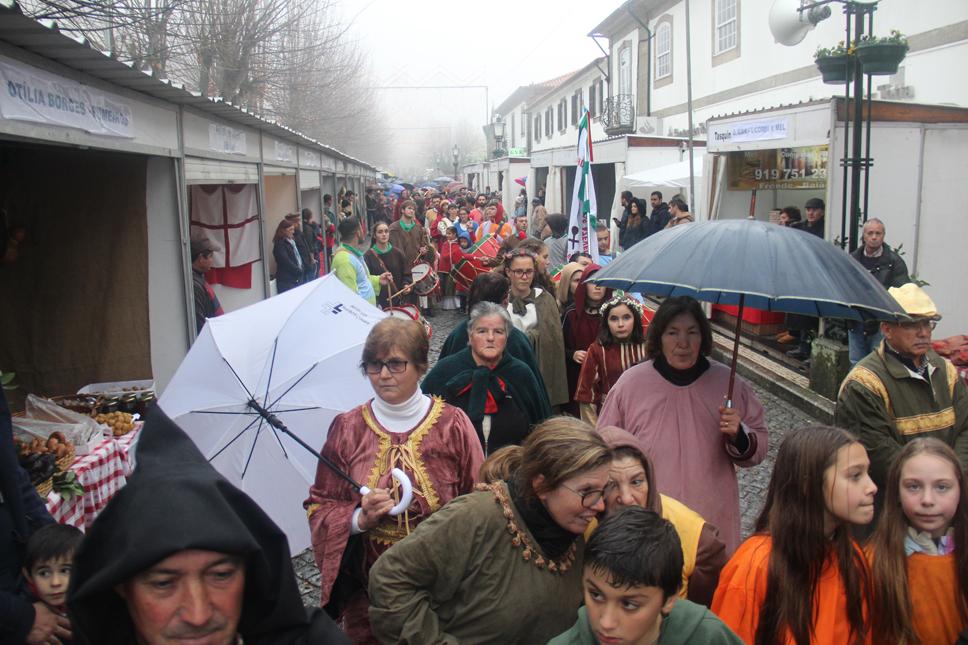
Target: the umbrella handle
(406, 493)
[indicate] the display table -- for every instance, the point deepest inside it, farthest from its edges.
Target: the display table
(102, 473)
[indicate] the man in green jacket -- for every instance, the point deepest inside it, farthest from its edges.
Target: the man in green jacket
(631, 579)
(904, 390)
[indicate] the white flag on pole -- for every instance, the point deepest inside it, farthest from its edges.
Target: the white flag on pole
(584, 211)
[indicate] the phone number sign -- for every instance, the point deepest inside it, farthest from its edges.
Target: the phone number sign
(781, 168)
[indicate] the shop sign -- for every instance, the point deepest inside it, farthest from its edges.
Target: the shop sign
(30, 94)
(765, 130)
(779, 168)
(517, 152)
(222, 138)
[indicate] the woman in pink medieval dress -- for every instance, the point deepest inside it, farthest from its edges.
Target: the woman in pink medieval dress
(675, 404)
(434, 443)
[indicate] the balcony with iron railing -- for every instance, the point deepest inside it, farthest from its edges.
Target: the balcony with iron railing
(618, 114)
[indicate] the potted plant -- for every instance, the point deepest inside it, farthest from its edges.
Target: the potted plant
(836, 64)
(881, 56)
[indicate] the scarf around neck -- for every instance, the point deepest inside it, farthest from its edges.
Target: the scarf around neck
(921, 542)
(383, 252)
(552, 539)
(352, 249)
(519, 305)
(680, 378)
(406, 226)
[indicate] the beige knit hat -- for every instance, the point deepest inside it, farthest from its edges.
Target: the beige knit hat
(915, 301)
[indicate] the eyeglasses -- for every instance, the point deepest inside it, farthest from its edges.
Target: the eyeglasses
(589, 498)
(394, 366)
(522, 273)
(922, 323)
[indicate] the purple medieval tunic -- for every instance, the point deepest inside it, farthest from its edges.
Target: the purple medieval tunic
(694, 463)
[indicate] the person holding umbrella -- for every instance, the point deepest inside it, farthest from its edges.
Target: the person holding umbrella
(434, 443)
(674, 403)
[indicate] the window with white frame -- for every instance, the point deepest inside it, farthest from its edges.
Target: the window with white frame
(625, 69)
(663, 51)
(727, 26)
(592, 100)
(549, 121)
(537, 128)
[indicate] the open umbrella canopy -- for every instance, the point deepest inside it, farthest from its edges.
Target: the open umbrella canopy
(455, 185)
(444, 179)
(521, 181)
(296, 355)
(775, 268)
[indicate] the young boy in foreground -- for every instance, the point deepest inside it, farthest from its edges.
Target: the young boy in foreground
(48, 562)
(633, 571)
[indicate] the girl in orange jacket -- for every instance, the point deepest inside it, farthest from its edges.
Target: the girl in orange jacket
(801, 579)
(920, 578)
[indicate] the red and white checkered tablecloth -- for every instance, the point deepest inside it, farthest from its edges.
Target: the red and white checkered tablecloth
(102, 473)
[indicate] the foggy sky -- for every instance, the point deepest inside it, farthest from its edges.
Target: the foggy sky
(498, 43)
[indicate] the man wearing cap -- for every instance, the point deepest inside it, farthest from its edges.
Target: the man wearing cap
(889, 269)
(904, 390)
(206, 302)
(798, 325)
(814, 224)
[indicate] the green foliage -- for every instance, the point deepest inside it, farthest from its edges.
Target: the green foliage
(894, 38)
(914, 277)
(840, 49)
(66, 485)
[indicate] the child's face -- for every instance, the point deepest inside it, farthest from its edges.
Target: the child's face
(929, 493)
(623, 615)
(50, 579)
(848, 488)
(451, 236)
(621, 322)
(464, 243)
(593, 293)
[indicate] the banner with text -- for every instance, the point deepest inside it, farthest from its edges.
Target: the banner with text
(30, 94)
(779, 168)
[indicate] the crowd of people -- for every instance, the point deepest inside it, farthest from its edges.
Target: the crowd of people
(574, 469)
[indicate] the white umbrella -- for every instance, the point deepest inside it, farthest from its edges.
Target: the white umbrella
(291, 360)
(674, 175)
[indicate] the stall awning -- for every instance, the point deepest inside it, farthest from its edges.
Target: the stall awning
(216, 171)
(674, 175)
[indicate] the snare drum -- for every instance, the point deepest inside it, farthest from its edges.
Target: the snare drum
(411, 312)
(425, 279)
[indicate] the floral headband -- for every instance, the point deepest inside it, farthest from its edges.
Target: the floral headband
(631, 303)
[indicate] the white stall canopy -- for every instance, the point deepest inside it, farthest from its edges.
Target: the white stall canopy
(308, 179)
(216, 171)
(674, 175)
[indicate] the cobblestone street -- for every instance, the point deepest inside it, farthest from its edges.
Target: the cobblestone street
(753, 482)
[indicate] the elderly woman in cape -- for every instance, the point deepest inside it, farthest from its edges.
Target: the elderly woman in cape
(675, 404)
(497, 391)
(432, 442)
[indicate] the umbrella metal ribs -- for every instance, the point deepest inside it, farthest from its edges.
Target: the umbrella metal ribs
(406, 487)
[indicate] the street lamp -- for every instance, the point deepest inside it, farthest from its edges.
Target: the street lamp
(498, 130)
(456, 153)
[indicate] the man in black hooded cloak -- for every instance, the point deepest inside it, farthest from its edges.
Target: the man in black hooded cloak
(176, 506)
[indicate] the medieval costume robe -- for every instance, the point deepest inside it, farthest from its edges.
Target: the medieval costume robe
(679, 425)
(440, 454)
(503, 403)
(518, 346)
(537, 316)
(391, 260)
(580, 325)
(477, 572)
(602, 367)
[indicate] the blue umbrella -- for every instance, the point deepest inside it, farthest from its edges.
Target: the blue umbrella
(755, 264)
(396, 189)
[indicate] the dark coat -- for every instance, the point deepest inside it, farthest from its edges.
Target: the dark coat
(888, 269)
(176, 501)
(21, 512)
(288, 273)
(660, 217)
(817, 228)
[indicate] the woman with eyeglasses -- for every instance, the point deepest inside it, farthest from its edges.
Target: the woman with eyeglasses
(434, 443)
(501, 565)
(674, 403)
(497, 391)
(535, 312)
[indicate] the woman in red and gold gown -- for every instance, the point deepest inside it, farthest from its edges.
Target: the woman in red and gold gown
(434, 443)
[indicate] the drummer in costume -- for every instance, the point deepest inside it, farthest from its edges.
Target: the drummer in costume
(493, 225)
(383, 257)
(411, 238)
(348, 264)
(434, 443)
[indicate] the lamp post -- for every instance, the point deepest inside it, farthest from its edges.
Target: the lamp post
(456, 153)
(498, 129)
